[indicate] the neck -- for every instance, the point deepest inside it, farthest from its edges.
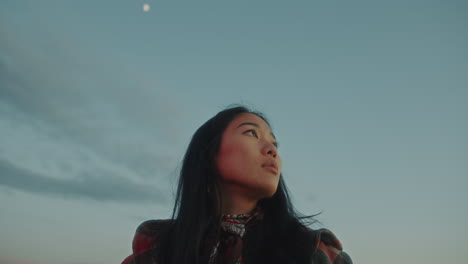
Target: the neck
(235, 201)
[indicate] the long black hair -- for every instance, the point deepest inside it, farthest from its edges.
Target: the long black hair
(280, 238)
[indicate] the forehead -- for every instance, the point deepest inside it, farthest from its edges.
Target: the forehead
(249, 118)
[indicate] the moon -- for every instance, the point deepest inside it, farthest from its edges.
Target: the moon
(146, 7)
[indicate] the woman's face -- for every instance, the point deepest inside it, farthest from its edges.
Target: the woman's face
(248, 158)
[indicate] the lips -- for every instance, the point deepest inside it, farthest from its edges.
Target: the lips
(271, 166)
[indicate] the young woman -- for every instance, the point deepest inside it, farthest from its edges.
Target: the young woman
(232, 205)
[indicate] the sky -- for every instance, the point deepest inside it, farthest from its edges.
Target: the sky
(99, 100)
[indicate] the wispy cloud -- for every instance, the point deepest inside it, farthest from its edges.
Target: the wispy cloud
(100, 187)
(75, 129)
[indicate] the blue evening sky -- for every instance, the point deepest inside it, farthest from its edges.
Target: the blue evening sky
(99, 99)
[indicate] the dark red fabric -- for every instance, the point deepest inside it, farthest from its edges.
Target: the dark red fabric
(328, 249)
(233, 249)
(231, 242)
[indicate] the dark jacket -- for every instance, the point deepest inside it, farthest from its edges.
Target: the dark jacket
(327, 248)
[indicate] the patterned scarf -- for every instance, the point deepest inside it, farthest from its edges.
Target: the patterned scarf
(228, 250)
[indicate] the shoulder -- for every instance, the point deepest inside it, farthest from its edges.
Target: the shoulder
(147, 238)
(327, 248)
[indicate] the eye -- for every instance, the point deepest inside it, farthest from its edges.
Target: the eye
(252, 132)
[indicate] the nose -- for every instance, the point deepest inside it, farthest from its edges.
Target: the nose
(270, 149)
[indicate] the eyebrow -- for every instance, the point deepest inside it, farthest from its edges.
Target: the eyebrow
(255, 125)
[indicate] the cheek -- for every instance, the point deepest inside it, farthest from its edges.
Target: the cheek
(228, 156)
(232, 159)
